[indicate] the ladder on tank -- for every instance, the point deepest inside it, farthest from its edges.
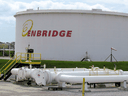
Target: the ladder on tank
(19, 60)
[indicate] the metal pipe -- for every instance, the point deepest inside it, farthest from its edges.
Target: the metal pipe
(43, 77)
(92, 79)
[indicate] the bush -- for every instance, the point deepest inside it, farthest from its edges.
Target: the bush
(6, 53)
(12, 53)
(1, 54)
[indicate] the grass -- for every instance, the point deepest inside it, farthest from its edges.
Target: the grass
(73, 64)
(3, 62)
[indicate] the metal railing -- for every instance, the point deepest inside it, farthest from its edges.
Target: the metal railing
(106, 72)
(28, 58)
(9, 65)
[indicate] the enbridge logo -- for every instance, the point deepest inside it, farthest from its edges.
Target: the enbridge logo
(27, 31)
(25, 27)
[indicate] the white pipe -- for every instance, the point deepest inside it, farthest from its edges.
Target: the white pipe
(125, 72)
(76, 69)
(14, 71)
(22, 73)
(73, 69)
(88, 73)
(43, 77)
(102, 72)
(92, 79)
(54, 76)
(38, 76)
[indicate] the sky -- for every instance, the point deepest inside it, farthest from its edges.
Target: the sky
(8, 9)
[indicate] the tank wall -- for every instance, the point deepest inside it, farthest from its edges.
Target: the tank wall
(95, 34)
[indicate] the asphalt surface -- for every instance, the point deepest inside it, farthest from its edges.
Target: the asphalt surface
(12, 89)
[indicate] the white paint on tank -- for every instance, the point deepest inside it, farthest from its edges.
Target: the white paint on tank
(94, 32)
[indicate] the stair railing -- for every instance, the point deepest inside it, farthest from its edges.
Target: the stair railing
(18, 58)
(9, 65)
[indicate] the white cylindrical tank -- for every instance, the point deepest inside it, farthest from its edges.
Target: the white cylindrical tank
(69, 34)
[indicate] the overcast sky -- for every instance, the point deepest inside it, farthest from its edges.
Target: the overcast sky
(8, 9)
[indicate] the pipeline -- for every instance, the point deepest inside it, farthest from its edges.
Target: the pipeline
(92, 79)
(46, 76)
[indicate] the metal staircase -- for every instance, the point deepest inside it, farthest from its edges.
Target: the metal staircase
(19, 60)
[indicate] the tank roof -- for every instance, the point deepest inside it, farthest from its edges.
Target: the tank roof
(69, 11)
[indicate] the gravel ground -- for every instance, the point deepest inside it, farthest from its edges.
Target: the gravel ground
(11, 89)
(5, 58)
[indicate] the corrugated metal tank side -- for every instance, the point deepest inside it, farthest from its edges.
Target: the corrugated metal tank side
(94, 33)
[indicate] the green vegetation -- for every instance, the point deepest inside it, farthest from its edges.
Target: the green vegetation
(1, 53)
(3, 62)
(73, 64)
(6, 53)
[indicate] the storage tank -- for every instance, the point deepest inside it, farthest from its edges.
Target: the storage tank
(70, 34)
